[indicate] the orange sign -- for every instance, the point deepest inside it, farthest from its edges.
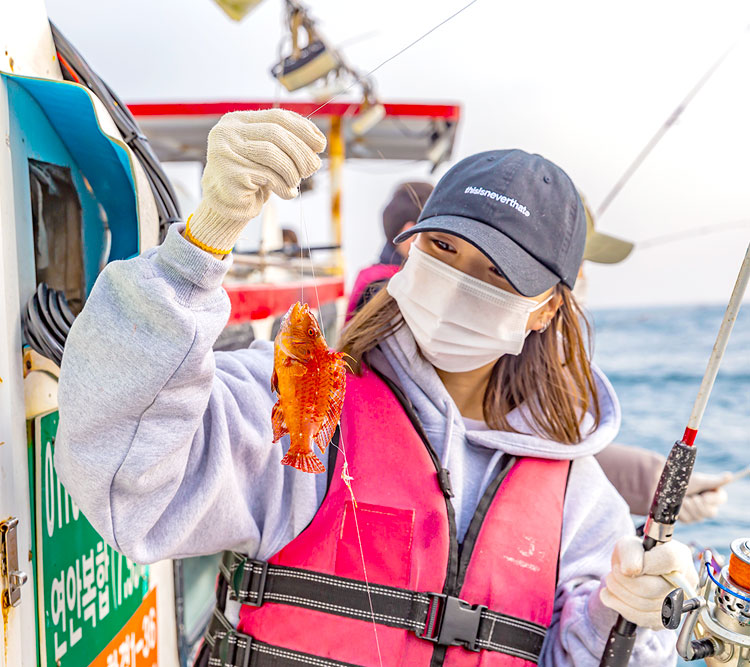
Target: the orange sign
(135, 644)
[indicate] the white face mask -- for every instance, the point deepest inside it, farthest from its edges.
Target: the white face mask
(459, 322)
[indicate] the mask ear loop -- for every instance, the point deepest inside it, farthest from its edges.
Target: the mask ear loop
(548, 322)
(541, 303)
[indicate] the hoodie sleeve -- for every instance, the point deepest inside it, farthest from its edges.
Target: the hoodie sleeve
(595, 517)
(634, 472)
(165, 447)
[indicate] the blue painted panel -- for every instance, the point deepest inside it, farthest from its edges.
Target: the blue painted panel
(33, 137)
(55, 122)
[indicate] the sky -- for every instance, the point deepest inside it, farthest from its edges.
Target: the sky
(584, 83)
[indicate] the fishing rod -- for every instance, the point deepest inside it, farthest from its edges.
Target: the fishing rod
(670, 492)
(671, 120)
(291, 250)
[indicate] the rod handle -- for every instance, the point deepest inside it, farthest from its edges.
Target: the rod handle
(673, 483)
(668, 497)
(619, 644)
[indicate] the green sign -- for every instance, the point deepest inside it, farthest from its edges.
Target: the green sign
(87, 591)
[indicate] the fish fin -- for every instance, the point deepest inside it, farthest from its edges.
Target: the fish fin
(340, 360)
(294, 368)
(304, 461)
(277, 422)
(336, 403)
(323, 437)
(274, 381)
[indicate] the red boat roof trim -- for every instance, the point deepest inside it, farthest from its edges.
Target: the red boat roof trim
(450, 112)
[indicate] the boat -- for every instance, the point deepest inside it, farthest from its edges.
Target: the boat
(81, 185)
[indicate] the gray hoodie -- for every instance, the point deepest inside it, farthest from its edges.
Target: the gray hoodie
(167, 447)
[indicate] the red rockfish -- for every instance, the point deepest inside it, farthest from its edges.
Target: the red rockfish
(310, 380)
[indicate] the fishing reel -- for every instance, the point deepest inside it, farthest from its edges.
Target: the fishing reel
(719, 616)
(308, 63)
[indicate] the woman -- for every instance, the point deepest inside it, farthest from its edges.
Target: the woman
(478, 528)
(633, 471)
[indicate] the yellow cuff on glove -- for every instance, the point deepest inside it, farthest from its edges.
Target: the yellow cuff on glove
(189, 236)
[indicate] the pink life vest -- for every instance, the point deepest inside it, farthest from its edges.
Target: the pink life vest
(365, 278)
(506, 569)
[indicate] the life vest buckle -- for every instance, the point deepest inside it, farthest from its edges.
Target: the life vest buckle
(233, 650)
(246, 577)
(228, 647)
(452, 622)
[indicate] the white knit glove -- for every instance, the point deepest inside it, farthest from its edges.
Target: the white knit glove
(704, 496)
(635, 588)
(250, 155)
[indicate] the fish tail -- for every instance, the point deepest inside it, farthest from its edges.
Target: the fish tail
(304, 461)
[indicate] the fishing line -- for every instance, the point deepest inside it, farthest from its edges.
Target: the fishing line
(693, 232)
(301, 260)
(312, 265)
(395, 55)
(345, 476)
(348, 481)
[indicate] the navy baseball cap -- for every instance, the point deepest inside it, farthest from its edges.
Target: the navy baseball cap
(520, 210)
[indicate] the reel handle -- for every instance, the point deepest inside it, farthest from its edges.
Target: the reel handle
(672, 609)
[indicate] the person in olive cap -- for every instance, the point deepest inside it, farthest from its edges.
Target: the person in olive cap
(635, 471)
(601, 249)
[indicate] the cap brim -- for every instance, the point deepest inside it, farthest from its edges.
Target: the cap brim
(526, 274)
(605, 249)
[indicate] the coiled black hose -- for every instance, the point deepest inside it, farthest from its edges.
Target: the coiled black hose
(46, 322)
(75, 68)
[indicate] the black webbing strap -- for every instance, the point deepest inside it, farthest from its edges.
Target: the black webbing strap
(229, 648)
(434, 617)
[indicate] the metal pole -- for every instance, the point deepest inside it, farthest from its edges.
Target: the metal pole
(336, 163)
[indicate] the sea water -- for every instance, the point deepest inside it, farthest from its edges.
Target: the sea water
(655, 359)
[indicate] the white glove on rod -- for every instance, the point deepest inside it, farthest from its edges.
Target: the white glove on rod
(635, 588)
(250, 155)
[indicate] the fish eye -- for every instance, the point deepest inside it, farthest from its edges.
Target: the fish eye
(311, 332)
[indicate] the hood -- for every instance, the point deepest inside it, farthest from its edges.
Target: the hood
(434, 405)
